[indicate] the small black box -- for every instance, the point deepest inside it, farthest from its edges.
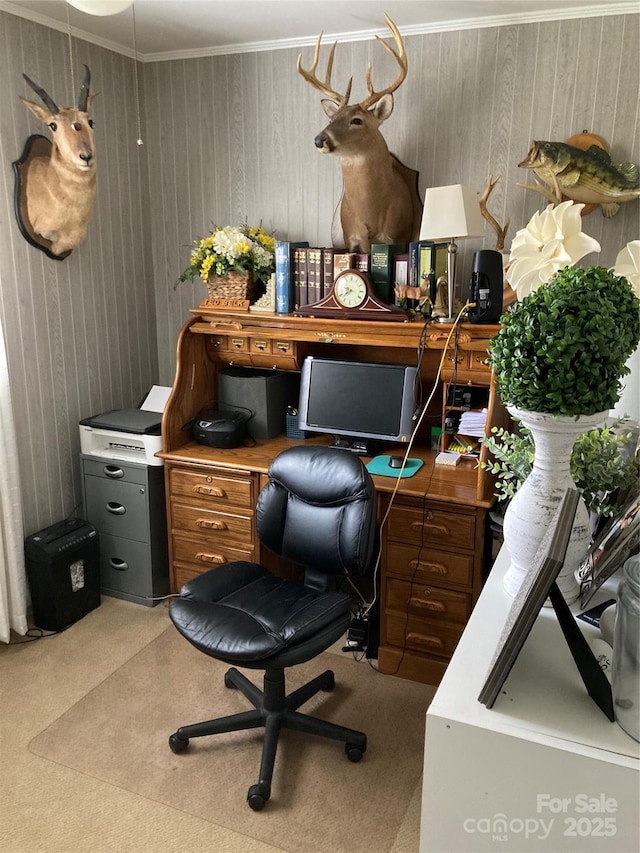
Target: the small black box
(265, 393)
(63, 570)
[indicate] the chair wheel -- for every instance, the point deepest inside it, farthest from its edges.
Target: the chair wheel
(228, 682)
(178, 744)
(257, 797)
(354, 753)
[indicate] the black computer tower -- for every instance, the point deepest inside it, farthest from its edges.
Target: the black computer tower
(63, 571)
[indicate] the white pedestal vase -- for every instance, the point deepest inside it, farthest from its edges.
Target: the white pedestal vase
(532, 508)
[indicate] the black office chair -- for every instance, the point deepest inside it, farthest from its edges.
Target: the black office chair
(318, 509)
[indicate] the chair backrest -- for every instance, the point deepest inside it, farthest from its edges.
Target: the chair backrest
(319, 509)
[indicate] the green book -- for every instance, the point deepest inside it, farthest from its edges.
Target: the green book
(382, 255)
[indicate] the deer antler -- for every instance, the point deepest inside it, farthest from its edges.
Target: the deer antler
(325, 88)
(373, 97)
(47, 100)
(501, 233)
(401, 58)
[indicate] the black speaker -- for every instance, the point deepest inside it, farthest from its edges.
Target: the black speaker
(486, 287)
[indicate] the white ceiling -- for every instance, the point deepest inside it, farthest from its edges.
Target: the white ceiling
(171, 29)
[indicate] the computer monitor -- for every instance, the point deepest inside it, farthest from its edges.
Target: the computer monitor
(360, 404)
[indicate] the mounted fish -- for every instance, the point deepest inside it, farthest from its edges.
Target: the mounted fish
(56, 180)
(583, 176)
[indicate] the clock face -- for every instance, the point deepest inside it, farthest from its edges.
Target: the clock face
(350, 289)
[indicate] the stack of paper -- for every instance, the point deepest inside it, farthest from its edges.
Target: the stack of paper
(473, 422)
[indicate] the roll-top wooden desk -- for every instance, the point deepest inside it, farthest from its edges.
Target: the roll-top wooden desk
(435, 542)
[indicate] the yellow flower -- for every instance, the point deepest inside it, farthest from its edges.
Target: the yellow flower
(244, 249)
(206, 266)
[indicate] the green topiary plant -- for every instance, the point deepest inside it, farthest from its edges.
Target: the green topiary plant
(563, 349)
(601, 466)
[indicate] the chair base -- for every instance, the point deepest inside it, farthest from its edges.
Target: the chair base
(273, 710)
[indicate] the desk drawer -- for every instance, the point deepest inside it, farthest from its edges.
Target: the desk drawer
(223, 491)
(118, 472)
(429, 602)
(431, 526)
(117, 508)
(207, 554)
(426, 565)
(125, 566)
(422, 635)
(213, 526)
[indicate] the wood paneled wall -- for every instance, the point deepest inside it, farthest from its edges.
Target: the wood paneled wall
(232, 137)
(80, 333)
(229, 139)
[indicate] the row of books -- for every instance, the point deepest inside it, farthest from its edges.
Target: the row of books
(305, 274)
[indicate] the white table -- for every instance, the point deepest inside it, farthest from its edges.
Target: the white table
(544, 770)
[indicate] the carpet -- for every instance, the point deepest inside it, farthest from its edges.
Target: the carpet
(320, 801)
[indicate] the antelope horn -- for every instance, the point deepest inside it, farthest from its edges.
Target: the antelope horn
(46, 99)
(84, 90)
(400, 57)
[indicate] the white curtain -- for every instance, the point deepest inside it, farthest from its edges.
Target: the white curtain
(13, 582)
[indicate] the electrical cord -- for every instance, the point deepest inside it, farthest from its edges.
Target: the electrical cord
(408, 451)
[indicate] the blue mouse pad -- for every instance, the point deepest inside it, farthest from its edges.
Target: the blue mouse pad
(380, 465)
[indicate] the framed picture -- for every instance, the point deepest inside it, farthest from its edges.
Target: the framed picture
(615, 544)
(539, 583)
(530, 598)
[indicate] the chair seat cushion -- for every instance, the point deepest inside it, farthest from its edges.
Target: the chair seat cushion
(241, 613)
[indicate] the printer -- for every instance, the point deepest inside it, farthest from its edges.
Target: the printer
(129, 435)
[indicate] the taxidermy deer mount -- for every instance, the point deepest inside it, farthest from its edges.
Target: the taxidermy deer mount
(380, 200)
(56, 180)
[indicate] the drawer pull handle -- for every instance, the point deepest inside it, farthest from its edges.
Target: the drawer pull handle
(283, 346)
(226, 327)
(115, 509)
(438, 528)
(210, 558)
(113, 471)
(210, 525)
(421, 604)
(437, 568)
(454, 360)
(237, 343)
(421, 640)
(118, 565)
(260, 345)
(209, 490)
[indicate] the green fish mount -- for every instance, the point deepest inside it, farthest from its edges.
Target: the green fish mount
(582, 176)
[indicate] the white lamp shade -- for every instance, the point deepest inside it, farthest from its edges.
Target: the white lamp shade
(101, 7)
(451, 213)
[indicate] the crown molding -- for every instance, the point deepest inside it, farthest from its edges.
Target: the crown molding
(605, 9)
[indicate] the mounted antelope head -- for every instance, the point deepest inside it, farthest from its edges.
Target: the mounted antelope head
(380, 201)
(60, 188)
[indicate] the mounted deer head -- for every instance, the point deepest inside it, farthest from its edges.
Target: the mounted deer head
(380, 201)
(60, 188)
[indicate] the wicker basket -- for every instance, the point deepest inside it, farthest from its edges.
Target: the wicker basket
(234, 285)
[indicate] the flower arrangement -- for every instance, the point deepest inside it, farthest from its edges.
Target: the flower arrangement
(242, 249)
(628, 264)
(553, 239)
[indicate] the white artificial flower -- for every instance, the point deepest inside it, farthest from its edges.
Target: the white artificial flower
(628, 264)
(552, 240)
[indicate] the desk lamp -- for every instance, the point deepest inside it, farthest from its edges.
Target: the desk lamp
(450, 214)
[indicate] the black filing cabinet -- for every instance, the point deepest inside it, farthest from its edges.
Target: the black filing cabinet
(125, 502)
